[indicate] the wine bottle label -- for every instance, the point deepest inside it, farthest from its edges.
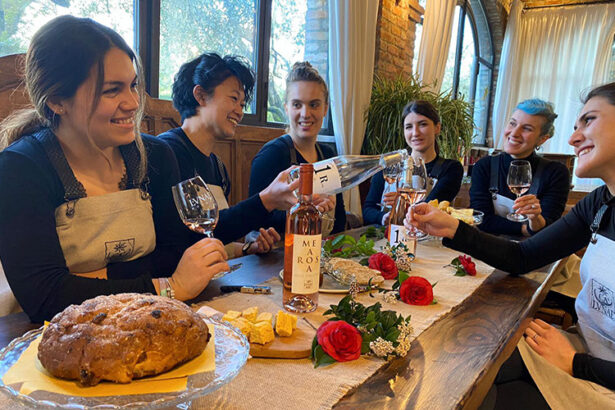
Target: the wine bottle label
(306, 264)
(326, 177)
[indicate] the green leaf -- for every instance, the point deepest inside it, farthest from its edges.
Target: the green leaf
(403, 275)
(321, 358)
(364, 261)
(392, 335)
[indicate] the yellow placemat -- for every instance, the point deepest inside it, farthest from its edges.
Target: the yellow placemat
(29, 372)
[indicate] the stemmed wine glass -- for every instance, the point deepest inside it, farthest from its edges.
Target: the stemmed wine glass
(519, 180)
(198, 210)
(418, 189)
(391, 175)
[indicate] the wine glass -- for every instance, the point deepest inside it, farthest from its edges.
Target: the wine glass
(519, 180)
(412, 186)
(198, 210)
(391, 175)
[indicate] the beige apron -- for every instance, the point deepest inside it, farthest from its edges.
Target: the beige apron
(560, 390)
(115, 227)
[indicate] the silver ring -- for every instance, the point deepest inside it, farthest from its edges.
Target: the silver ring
(535, 336)
(533, 206)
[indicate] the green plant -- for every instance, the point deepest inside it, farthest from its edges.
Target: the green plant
(384, 128)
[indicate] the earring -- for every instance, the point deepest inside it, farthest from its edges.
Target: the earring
(60, 111)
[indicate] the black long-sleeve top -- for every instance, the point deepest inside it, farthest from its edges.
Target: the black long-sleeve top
(552, 192)
(449, 179)
(560, 239)
(31, 190)
(274, 158)
(235, 221)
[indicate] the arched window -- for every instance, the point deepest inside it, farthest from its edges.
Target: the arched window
(469, 67)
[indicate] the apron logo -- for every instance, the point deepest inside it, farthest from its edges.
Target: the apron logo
(602, 299)
(121, 250)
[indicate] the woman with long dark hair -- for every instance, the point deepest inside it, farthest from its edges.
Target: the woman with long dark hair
(85, 200)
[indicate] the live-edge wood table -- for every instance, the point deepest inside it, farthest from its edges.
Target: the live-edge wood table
(450, 365)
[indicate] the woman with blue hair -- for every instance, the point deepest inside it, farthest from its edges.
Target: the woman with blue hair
(530, 126)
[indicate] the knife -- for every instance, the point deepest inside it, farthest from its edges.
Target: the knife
(260, 290)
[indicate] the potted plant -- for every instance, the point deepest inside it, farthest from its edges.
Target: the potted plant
(384, 130)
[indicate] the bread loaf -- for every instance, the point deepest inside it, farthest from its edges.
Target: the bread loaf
(120, 338)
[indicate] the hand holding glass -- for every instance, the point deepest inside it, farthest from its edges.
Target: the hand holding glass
(519, 180)
(413, 188)
(391, 175)
(198, 210)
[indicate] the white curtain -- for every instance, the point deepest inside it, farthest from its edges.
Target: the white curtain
(554, 54)
(352, 41)
(435, 42)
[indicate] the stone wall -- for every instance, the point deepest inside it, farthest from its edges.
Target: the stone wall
(317, 35)
(395, 35)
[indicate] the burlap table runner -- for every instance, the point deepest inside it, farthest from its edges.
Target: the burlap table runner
(281, 383)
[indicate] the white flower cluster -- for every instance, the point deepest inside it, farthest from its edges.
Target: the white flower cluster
(381, 347)
(400, 254)
(390, 297)
(405, 333)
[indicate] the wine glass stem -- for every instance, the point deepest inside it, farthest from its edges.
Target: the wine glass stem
(209, 234)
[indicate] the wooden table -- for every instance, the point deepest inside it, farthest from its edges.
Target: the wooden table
(450, 365)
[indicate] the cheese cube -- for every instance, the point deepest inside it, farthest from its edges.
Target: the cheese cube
(261, 333)
(433, 202)
(231, 315)
(243, 325)
(265, 317)
(250, 313)
(284, 323)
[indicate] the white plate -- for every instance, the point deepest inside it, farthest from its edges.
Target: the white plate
(329, 285)
(232, 349)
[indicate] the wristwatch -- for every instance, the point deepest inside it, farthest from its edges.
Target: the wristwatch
(245, 247)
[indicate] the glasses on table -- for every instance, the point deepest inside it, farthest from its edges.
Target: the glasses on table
(198, 210)
(519, 180)
(391, 176)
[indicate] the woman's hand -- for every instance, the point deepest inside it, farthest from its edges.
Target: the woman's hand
(198, 265)
(431, 220)
(280, 194)
(529, 205)
(548, 342)
(265, 241)
(324, 203)
(389, 198)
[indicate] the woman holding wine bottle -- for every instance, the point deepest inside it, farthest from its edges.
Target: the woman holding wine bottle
(85, 203)
(530, 126)
(210, 92)
(553, 356)
(307, 102)
(421, 124)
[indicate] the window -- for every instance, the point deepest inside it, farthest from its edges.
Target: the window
(272, 35)
(469, 67)
(612, 69)
(418, 34)
(20, 19)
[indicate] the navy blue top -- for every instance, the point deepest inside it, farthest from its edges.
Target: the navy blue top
(30, 250)
(552, 192)
(235, 221)
(565, 236)
(449, 178)
(274, 158)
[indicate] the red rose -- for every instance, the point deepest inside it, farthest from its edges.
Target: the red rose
(385, 264)
(416, 291)
(468, 265)
(340, 340)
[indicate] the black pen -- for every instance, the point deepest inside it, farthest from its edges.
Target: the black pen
(261, 290)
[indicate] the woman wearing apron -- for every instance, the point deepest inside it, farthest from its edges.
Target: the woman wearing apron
(530, 125)
(85, 202)
(210, 92)
(421, 124)
(307, 102)
(570, 370)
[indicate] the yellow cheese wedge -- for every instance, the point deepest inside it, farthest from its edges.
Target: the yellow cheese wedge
(250, 313)
(265, 317)
(231, 315)
(261, 333)
(244, 326)
(443, 205)
(284, 323)
(433, 202)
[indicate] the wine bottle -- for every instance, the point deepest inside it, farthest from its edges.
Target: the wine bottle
(337, 174)
(412, 188)
(302, 247)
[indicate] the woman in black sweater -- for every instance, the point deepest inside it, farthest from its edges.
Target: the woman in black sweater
(530, 126)
(590, 223)
(422, 125)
